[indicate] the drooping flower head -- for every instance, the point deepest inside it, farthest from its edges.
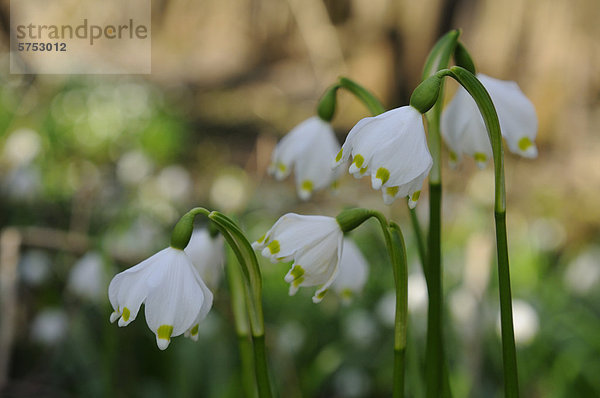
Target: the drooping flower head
(392, 149)
(353, 272)
(208, 255)
(175, 297)
(313, 243)
(308, 149)
(464, 130)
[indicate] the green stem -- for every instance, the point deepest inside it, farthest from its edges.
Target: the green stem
(490, 117)
(253, 292)
(252, 282)
(242, 327)
(434, 356)
(401, 321)
(394, 242)
(509, 353)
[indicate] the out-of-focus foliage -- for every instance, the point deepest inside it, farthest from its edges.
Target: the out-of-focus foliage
(107, 165)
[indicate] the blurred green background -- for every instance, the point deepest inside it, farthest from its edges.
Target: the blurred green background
(99, 168)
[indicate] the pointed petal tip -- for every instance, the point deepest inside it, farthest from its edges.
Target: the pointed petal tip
(114, 316)
(412, 203)
(162, 343)
(376, 183)
(304, 194)
(531, 152)
(481, 165)
(123, 323)
(353, 169)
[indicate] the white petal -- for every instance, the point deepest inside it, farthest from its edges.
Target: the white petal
(177, 299)
(208, 255)
(353, 271)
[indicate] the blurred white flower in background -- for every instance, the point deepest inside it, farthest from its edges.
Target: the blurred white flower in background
(392, 149)
(352, 383)
(134, 167)
(464, 130)
(21, 147)
(174, 182)
(526, 322)
(353, 272)
(583, 273)
(313, 243)
(49, 326)
(88, 278)
(360, 328)
(208, 256)
(34, 267)
(291, 336)
(417, 300)
(229, 190)
(307, 149)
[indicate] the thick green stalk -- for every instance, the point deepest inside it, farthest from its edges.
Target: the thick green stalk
(436, 378)
(434, 356)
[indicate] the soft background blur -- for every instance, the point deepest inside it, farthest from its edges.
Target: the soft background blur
(99, 168)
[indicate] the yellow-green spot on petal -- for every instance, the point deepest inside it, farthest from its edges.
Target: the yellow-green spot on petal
(297, 272)
(363, 170)
(320, 295)
(524, 143)
(274, 247)
(392, 191)
(194, 330)
(307, 185)
(453, 156)
(480, 157)
(164, 332)
(262, 238)
(297, 281)
(358, 160)
(281, 167)
(347, 293)
(383, 174)
(339, 156)
(126, 314)
(415, 196)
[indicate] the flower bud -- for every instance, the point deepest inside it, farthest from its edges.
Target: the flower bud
(426, 94)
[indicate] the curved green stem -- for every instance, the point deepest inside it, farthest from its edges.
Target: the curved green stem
(252, 283)
(490, 117)
(397, 251)
(253, 291)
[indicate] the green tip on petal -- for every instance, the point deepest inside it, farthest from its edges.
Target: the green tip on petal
(338, 157)
(194, 330)
(383, 174)
(126, 314)
(415, 196)
(319, 296)
(274, 247)
(480, 159)
(358, 160)
(525, 143)
(281, 167)
(392, 191)
(163, 336)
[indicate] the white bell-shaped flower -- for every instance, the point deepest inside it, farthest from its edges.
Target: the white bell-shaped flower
(353, 272)
(207, 255)
(392, 149)
(313, 243)
(308, 149)
(464, 130)
(175, 297)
